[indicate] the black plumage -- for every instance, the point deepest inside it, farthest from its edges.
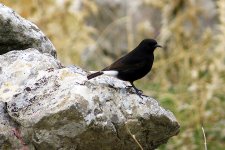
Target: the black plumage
(133, 65)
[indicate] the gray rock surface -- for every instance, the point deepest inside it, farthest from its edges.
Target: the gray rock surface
(44, 105)
(55, 107)
(18, 33)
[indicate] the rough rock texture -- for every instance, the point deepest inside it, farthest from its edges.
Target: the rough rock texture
(44, 105)
(18, 33)
(55, 107)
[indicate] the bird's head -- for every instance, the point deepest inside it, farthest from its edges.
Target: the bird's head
(149, 45)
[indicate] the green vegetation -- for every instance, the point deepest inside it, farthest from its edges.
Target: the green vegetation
(188, 76)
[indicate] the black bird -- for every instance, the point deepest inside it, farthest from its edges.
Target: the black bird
(133, 65)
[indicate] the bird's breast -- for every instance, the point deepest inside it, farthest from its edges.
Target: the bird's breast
(137, 72)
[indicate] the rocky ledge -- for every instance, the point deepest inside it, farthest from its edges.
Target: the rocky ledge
(44, 105)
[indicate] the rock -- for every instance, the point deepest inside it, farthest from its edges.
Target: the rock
(44, 105)
(55, 107)
(18, 33)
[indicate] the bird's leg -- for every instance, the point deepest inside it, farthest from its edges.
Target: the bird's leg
(132, 86)
(138, 92)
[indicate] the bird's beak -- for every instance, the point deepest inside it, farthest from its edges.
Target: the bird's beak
(158, 46)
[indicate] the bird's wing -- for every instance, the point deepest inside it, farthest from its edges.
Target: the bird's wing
(126, 63)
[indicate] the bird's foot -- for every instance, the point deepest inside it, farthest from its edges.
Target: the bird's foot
(136, 90)
(139, 92)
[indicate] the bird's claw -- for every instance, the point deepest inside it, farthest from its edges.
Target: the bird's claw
(137, 91)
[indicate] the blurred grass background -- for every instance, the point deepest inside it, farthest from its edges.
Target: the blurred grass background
(188, 76)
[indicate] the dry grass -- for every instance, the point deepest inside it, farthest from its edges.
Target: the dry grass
(188, 76)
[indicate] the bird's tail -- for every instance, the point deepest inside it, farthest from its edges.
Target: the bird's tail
(93, 75)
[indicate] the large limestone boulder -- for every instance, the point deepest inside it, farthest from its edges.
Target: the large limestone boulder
(57, 107)
(45, 105)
